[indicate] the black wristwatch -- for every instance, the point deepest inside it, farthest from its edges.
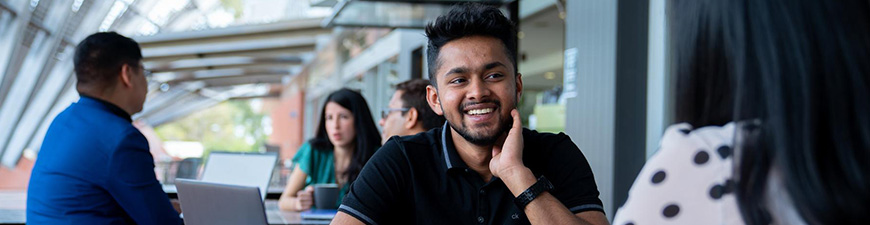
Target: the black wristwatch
(530, 194)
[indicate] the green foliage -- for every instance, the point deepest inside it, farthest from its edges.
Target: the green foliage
(236, 6)
(229, 126)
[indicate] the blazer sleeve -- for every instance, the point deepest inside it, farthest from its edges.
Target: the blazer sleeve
(134, 185)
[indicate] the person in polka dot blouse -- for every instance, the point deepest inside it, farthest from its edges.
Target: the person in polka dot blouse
(772, 113)
(696, 166)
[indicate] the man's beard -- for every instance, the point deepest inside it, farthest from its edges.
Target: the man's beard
(504, 124)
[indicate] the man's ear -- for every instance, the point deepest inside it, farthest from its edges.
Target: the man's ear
(126, 73)
(411, 119)
(519, 86)
(432, 98)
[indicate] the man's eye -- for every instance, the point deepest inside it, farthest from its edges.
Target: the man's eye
(495, 76)
(457, 81)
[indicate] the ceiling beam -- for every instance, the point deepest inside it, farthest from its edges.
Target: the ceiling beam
(234, 31)
(199, 50)
(186, 76)
(224, 62)
(248, 79)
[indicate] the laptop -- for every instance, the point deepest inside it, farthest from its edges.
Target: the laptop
(218, 204)
(245, 169)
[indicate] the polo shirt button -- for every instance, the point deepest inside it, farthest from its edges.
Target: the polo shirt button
(480, 219)
(482, 192)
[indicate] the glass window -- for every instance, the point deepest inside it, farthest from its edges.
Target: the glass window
(540, 58)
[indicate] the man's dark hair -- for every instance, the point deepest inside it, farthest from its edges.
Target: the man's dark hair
(465, 20)
(414, 96)
(99, 58)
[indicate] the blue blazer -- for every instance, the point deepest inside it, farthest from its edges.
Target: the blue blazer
(94, 167)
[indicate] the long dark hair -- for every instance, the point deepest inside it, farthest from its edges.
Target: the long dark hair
(704, 87)
(800, 74)
(367, 138)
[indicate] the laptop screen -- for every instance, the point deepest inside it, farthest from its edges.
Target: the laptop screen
(207, 203)
(245, 169)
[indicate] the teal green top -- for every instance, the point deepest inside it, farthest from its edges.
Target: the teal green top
(319, 166)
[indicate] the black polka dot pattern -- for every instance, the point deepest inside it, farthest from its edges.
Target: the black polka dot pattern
(724, 151)
(709, 150)
(685, 131)
(658, 177)
(717, 191)
(701, 157)
(671, 211)
(729, 186)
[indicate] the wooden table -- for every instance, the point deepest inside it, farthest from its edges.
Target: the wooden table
(13, 211)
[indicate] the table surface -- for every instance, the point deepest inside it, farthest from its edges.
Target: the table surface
(13, 205)
(271, 192)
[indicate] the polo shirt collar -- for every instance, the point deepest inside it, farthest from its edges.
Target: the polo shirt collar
(451, 157)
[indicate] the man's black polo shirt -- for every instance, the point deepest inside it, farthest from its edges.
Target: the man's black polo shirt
(417, 180)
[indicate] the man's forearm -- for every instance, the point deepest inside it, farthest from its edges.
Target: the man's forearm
(544, 209)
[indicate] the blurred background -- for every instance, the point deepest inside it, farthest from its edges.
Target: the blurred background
(251, 75)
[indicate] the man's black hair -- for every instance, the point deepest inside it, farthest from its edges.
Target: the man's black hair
(414, 96)
(465, 20)
(98, 59)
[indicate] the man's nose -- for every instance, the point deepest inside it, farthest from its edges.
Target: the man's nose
(477, 90)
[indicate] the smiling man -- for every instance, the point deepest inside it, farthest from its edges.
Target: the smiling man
(481, 167)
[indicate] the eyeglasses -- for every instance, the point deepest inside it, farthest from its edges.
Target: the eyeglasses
(386, 111)
(148, 75)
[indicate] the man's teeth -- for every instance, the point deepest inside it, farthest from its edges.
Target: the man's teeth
(479, 111)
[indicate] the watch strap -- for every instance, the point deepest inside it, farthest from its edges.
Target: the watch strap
(533, 192)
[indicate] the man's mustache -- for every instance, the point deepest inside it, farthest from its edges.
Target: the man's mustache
(469, 104)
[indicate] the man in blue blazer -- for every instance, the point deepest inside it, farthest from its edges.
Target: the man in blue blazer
(94, 167)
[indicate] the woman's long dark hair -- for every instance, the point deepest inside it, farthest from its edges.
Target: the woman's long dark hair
(800, 71)
(367, 138)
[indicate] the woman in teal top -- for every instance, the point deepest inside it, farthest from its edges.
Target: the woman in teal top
(345, 140)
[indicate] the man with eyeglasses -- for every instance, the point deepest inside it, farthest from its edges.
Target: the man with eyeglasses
(94, 166)
(408, 113)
